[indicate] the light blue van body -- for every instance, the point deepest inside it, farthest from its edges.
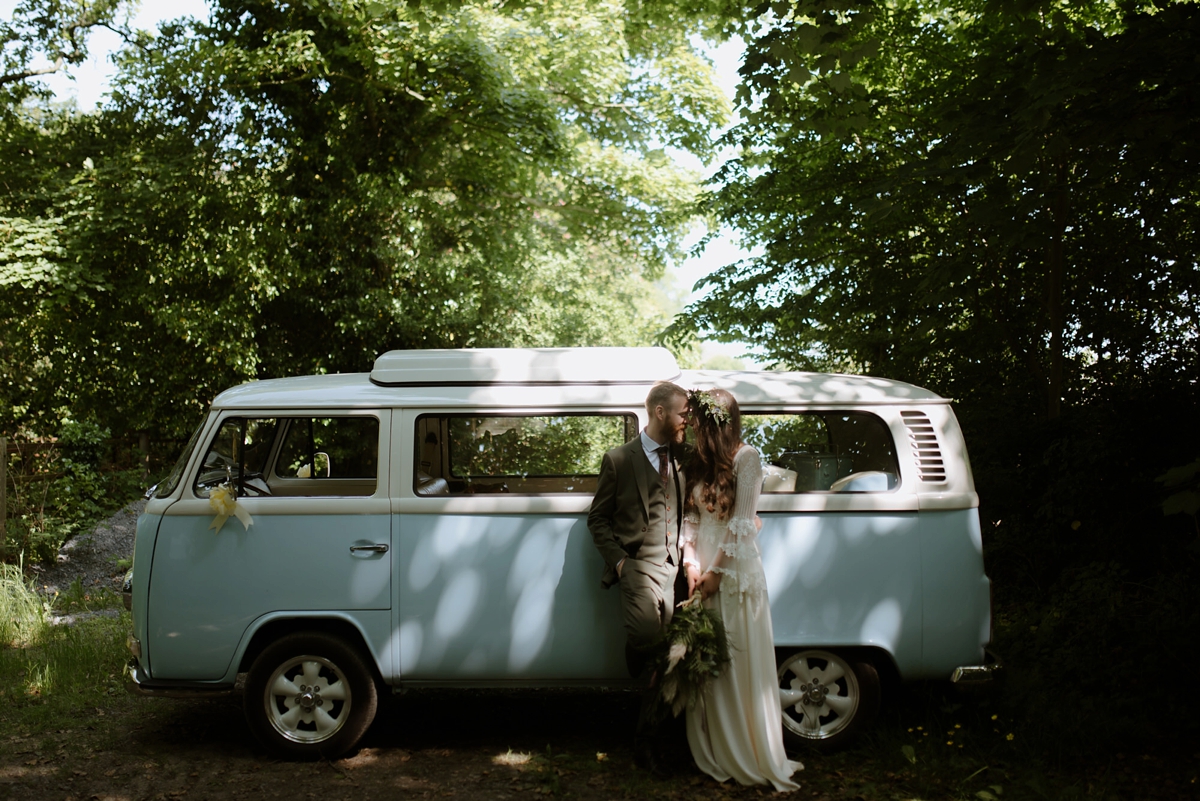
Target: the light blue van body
(504, 588)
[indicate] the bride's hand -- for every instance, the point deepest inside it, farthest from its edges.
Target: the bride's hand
(693, 578)
(708, 585)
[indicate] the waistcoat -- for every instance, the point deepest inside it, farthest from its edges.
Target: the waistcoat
(661, 541)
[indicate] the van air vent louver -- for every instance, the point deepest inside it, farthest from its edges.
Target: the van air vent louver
(925, 446)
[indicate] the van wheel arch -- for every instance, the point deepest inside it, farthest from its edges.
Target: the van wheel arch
(277, 629)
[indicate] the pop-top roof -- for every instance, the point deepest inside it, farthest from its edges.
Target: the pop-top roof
(526, 366)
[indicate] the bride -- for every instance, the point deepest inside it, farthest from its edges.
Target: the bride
(735, 728)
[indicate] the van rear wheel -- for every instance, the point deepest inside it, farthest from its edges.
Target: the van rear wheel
(309, 695)
(827, 698)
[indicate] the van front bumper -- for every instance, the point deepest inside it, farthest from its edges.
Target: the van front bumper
(138, 683)
(969, 675)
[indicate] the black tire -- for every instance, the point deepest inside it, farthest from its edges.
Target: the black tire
(310, 695)
(827, 699)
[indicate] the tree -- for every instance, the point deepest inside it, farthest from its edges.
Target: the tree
(998, 200)
(993, 198)
(294, 188)
(44, 37)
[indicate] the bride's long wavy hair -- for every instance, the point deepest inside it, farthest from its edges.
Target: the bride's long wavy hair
(717, 424)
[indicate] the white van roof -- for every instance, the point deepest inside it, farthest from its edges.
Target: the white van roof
(501, 377)
(526, 366)
(755, 388)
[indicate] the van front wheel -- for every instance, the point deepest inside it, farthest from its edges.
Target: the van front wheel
(826, 698)
(309, 695)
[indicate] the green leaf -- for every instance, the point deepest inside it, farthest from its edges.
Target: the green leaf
(1187, 503)
(1177, 476)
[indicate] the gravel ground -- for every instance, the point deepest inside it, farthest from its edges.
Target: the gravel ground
(91, 557)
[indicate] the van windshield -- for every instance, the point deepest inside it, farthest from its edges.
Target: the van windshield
(168, 484)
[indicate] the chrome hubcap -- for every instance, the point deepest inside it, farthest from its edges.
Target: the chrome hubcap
(818, 693)
(814, 695)
(307, 699)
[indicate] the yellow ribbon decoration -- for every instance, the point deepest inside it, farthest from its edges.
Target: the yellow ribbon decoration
(223, 502)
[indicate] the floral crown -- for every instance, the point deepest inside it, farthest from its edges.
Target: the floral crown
(703, 402)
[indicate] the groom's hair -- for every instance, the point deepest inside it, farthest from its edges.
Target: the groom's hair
(661, 394)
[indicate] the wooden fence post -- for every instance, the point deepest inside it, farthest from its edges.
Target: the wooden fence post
(3, 497)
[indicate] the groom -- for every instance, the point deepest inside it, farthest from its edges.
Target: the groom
(635, 520)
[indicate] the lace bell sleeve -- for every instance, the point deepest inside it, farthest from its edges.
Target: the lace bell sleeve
(687, 539)
(739, 560)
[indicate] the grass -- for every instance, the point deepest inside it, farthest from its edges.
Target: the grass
(50, 675)
(21, 612)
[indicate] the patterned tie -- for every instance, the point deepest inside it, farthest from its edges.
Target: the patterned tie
(663, 461)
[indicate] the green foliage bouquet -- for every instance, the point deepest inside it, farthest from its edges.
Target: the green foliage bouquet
(693, 650)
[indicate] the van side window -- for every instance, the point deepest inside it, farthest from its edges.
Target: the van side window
(823, 451)
(520, 454)
(327, 457)
(341, 447)
(343, 450)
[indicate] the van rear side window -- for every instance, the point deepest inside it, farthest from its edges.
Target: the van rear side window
(823, 451)
(326, 457)
(519, 454)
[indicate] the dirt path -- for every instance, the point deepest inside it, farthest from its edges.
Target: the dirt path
(462, 744)
(477, 745)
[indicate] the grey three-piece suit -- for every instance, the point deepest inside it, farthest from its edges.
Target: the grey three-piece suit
(635, 517)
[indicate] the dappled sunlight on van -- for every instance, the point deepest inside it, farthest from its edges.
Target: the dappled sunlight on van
(521, 615)
(882, 624)
(411, 636)
(805, 548)
(367, 583)
(457, 604)
(789, 546)
(845, 578)
(455, 537)
(536, 571)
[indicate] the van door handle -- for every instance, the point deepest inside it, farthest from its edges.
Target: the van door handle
(372, 548)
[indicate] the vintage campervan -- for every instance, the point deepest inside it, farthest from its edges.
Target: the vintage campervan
(331, 536)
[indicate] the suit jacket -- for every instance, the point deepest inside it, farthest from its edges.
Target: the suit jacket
(620, 511)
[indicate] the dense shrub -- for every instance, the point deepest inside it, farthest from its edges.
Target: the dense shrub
(1097, 591)
(60, 486)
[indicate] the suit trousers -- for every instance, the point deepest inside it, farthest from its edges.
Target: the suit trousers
(647, 603)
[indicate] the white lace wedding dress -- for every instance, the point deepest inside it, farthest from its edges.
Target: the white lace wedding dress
(735, 730)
